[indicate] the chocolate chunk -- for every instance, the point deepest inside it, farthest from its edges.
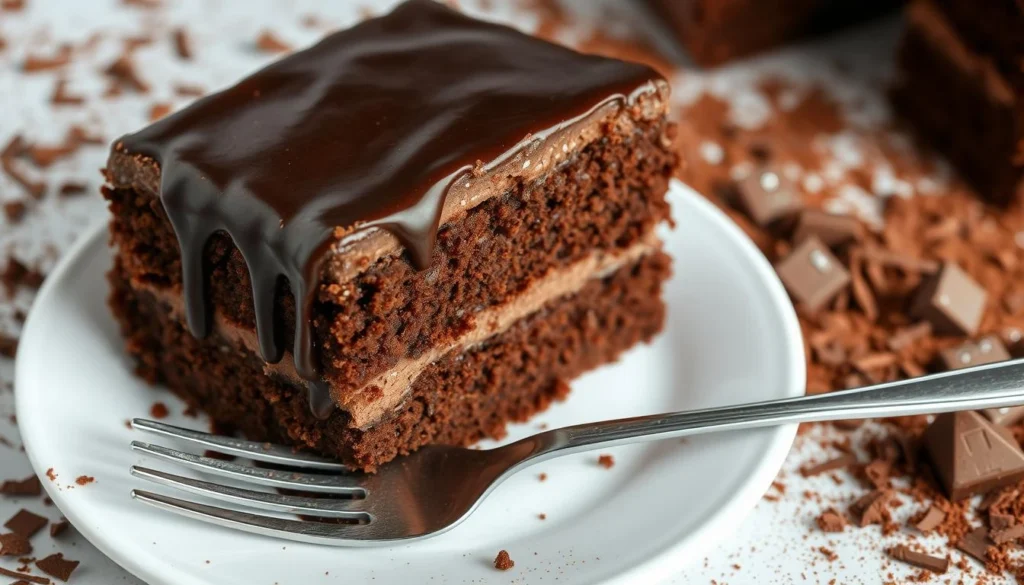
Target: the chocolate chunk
(951, 301)
(832, 229)
(14, 545)
(56, 566)
(908, 335)
(24, 577)
(831, 521)
(841, 462)
(877, 473)
(58, 528)
(918, 559)
(1004, 416)
(182, 44)
(61, 96)
(812, 275)
(606, 461)
(503, 562)
(270, 43)
(931, 520)
(971, 455)
(29, 486)
(768, 197)
(987, 350)
(26, 523)
(872, 508)
(1008, 534)
(976, 543)
(1000, 520)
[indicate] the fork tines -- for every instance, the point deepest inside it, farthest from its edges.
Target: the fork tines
(330, 492)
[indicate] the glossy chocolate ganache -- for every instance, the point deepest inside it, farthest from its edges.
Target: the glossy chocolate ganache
(368, 128)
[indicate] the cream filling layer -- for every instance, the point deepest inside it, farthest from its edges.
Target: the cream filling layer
(388, 391)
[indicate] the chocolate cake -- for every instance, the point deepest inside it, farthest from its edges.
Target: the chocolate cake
(714, 32)
(967, 102)
(412, 232)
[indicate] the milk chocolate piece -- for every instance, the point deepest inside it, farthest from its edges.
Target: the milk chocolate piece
(26, 523)
(976, 543)
(1007, 534)
(768, 197)
(812, 275)
(971, 455)
(841, 462)
(872, 508)
(952, 301)
(832, 229)
(13, 544)
(57, 566)
(987, 350)
(918, 559)
(931, 519)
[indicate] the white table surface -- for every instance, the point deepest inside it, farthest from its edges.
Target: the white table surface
(776, 544)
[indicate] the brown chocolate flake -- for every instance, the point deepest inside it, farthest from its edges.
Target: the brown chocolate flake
(878, 472)
(987, 350)
(182, 44)
(832, 229)
(952, 301)
(605, 460)
(58, 528)
(971, 455)
(37, 63)
(872, 508)
(16, 274)
(123, 75)
(26, 523)
(8, 346)
(14, 545)
(12, 5)
(909, 335)
(931, 520)
(159, 110)
(831, 520)
(975, 543)
(843, 461)
(24, 577)
(1007, 534)
(61, 96)
(29, 486)
(15, 148)
(14, 211)
(56, 566)
(84, 479)
(72, 188)
(159, 410)
(187, 90)
(812, 275)
(920, 560)
(268, 42)
(503, 562)
(768, 197)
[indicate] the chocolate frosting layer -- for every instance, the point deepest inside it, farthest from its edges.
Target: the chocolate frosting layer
(368, 128)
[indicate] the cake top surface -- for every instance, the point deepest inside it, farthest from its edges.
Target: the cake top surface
(368, 128)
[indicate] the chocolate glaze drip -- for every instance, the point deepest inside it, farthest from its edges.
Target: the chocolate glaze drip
(368, 128)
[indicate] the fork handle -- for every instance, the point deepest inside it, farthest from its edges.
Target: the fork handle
(988, 386)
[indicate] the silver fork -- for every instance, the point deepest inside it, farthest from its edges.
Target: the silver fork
(432, 490)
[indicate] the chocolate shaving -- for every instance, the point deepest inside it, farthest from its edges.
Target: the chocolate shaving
(861, 292)
(56, 566)
(123, 75)
(14, 149)
(14, 211)
(58, 528)
(186, 90)
(841, 462)
(182, 44)
(24, 577)
(270, 43)
(26, 523)
(62, 97)
(36, 63)
(70, 188)
(14, 545)
(918, 559)
(29, 486)
(159, 110)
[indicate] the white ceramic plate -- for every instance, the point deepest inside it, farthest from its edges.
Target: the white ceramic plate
(731, 337)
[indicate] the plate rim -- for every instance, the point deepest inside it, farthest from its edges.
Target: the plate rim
(661, 562)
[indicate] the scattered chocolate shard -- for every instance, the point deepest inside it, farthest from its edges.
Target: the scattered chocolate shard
(987, 350)
(24, 577)
(15, 148)
(831, 520)
(61, 96)
(843, 461)
(26, 523)
(1008, 534)
(812, 275)
(187, 90)
(861, 291)
(931, 520)
(14, 211)
(908, 335)
(13, 544)
(58, 528)
(878, 472)
(182, 44)
(8, 346)
(36, 63)
(902, 262)
(918, 559)
(768, 197)
(606, 461)
(30, 486)
(123, 75)
(1005, 416)
(270, 43)
(951, 301)
(159, 110)
(832, 229)
(872, 508)
(971, 455)
(72, 188)
(57, 566)
(1001, 520)
(976, 543)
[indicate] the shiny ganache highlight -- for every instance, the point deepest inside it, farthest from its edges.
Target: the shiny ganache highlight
(368, 128)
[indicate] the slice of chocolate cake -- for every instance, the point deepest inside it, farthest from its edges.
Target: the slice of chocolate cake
(410, 233)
